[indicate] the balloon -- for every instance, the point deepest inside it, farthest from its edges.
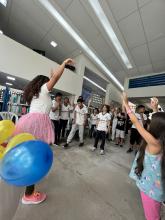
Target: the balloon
(27, 163)
(2, 150)
(6, 130)
(18, 139)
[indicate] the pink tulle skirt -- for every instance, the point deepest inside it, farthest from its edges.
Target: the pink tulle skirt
(37, 124)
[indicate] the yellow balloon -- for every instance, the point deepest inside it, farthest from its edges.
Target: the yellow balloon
(18, 139)
(6, 130)
(2, 150)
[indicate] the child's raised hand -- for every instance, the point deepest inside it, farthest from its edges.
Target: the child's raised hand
(125, 99)
(69, 61)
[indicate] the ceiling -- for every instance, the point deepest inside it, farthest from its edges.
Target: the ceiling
(138, 24)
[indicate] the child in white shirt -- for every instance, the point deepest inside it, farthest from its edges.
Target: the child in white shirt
(103, 124)
(93, 121)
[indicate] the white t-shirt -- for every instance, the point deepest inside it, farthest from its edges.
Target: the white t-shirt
(151, 114)
(80, 114)
(138, 116)
(55, 115)
(93, 119)
(65, 110)
(43, 103)
(103, 121)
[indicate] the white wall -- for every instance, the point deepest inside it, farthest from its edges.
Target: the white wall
(144, 91)
(23, 62)
(84, 61)
(112, 94)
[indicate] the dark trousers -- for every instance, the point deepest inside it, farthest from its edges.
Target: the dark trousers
(135, 137)
(92, 131)
(56, 130)
(100, 135)
(29, 190)
(63, 124)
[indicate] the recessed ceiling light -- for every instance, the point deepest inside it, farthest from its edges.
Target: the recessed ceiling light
(1, 32)
(3, 2)
(10, 78)
(110, 32)
(79, 40)
(9, 84)
(95, 84)
(53, 43)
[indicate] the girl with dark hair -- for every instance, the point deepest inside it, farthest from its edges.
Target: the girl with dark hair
(36, 94)
(102, 126)
(148, 169)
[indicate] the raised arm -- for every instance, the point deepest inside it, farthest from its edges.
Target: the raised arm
(56, 74)
(151, 141)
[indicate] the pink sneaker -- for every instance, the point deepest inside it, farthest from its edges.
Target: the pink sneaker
(35, 198)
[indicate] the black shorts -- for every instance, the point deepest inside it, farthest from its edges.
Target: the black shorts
(135, 137)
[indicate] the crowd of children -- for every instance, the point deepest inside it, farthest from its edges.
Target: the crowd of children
(148, 169)
(105, 123)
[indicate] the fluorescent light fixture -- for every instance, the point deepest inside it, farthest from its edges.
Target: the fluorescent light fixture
(79, 40)
(110, 32)
(53, 43)
(10, 78)
(9, 84)
(1, 32)
(3, 2)
(95, 84)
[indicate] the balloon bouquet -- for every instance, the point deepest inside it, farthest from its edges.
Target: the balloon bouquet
(24, 161)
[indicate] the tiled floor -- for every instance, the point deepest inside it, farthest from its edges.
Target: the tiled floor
(83, 185)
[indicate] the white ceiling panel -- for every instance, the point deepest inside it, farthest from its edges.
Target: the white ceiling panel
(62, 38)
(82, 20)
(140, 55)
(63, 3)
(133, 72)
(4, 15)
(102, 48)
(132, 30)
(157, 49)
(74, 54)
(22, 32)
(146, 69)
(114, 64)
(121, 76)
(143, 2)
(153, 16)
(121, 10)
(159, 66)
(56, 54)
(31, 13)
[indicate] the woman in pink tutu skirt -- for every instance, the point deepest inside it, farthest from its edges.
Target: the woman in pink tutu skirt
(37, 121)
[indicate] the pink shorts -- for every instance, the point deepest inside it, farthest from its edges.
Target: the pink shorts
(151, 207)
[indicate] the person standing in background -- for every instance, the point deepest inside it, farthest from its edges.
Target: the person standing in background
(65, 115)
(154, 105)
(103, 123)
(135, 137)
(114, 123)
(120, 129)
(55, 116)
(80, 117)
(93, 121)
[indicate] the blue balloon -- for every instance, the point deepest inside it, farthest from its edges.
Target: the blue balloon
(27, 163)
